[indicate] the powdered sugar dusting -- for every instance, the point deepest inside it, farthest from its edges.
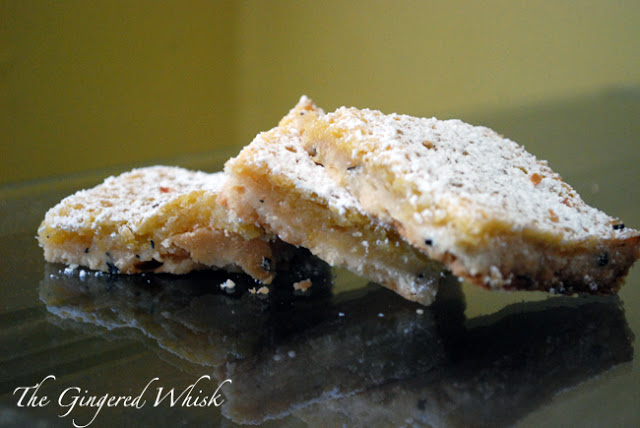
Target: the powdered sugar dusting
(280, 152)
(450, 169)
(130, 198)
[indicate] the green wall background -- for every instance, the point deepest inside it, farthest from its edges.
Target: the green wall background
(103, 84)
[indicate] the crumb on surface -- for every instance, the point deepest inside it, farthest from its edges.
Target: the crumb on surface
(302, 285)
(228, 285)
(261, 290)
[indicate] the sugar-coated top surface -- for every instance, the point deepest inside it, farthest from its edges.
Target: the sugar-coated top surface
(280, 151)
(130, 198)
(447, 168)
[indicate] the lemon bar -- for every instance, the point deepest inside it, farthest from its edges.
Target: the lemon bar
(470, 198)
(154, 219)
(276, 184)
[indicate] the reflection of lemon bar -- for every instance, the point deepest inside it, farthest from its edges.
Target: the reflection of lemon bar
(156, 219)
(498, 370)
(472, 199)
(276, 184)
(357, 341)
(190, 315)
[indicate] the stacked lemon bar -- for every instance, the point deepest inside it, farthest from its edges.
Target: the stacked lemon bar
(274, 183)
(473, 200)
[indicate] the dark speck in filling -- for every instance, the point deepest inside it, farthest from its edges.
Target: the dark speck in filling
(603, 259)
(148, 265)
(113, 269)
(266, 264)
(428, 242)
(618, 226)
(86, 250)
(262, 201)
(153, 244)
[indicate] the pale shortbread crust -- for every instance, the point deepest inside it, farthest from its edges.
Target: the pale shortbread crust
(155, 219)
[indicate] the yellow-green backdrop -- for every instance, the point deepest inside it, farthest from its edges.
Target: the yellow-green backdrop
(91, 85)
